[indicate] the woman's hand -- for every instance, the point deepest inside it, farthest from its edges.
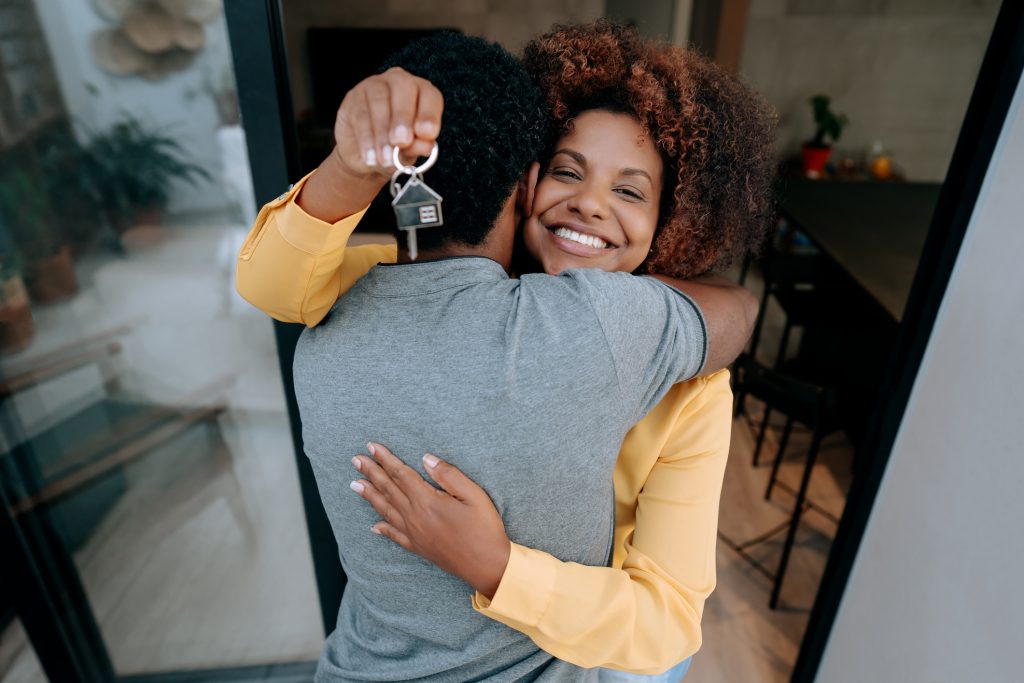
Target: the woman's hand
(457, 528)
(382, 112)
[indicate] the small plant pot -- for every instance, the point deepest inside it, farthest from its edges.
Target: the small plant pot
(53, 278)
(144, 231)
(16, 327)
(814, 159)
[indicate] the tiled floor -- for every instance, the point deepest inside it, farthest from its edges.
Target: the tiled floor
(204, 562)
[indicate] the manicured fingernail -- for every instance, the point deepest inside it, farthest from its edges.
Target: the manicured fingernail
(375, 530)
(355, 462)
(401, 135)
(370, 157)
(356, 486)
(373, 449)
(426, 128)
(430, 460)
(387, 156)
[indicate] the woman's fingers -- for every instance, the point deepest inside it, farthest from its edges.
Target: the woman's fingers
(404, 97)
(378, 102)
(383, 507)
(451, 479)
(430, 107)
(405, 478)
(388, 531)
(382, 481)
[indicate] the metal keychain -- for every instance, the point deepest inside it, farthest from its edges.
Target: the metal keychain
(416, 205)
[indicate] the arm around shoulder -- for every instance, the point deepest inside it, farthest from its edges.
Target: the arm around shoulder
(730, 312)
(294, 266)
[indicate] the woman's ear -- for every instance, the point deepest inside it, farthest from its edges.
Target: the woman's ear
(527, 190)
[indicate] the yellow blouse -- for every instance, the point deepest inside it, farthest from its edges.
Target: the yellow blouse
(642, 614)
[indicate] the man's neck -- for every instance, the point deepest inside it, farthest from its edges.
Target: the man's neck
(447, 251)
(497, 246)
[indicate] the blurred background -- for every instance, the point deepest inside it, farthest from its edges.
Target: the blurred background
(149, 475)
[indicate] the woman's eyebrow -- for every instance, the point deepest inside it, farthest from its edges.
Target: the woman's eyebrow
(638, 172)
(576, 156)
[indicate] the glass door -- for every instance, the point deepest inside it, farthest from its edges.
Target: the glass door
(152, 515)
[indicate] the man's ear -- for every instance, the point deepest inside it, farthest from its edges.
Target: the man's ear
(526, 191)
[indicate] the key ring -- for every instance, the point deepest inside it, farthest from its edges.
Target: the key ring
(414, 170)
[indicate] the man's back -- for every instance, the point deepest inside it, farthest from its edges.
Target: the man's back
(528, 387)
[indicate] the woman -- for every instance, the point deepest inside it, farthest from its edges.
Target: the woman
(662, 165)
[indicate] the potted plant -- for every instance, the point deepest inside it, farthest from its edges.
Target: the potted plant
(73, 192)
(828, 124)
(25, 206)
(133, 168)
(16, 327)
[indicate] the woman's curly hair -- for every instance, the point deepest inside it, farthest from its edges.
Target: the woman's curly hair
(714, 134)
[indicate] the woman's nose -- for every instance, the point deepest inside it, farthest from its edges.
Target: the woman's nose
(588, 202)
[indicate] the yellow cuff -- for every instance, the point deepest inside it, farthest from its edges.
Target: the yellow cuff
(309, 234)
(525, 590)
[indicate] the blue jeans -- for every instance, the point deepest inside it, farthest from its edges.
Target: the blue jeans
(673, 675)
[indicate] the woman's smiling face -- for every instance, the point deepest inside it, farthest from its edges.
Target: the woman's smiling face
(596, 203)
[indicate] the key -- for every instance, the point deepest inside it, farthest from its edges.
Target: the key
(415, 204)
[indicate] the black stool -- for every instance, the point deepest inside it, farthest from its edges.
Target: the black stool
(790, 279)
(800, 400)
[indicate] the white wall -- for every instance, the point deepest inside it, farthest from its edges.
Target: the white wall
(936, 591)
(175, 104)
(902, 70)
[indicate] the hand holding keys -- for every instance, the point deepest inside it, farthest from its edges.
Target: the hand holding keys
(384, 113)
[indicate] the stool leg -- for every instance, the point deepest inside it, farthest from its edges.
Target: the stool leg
(760, 433)
(795, 519)
(741, 395)
(778, 457)
(783, 344)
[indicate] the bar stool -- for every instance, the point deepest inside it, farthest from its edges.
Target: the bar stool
(790, 279)
(800, 400)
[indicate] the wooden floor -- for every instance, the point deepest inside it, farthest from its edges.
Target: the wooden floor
(744, 640)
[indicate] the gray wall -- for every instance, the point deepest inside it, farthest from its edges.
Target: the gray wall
(509, 22)
(902, 70)
(653, 17)
(935, 593)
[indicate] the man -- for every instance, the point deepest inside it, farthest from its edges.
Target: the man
(528, 386)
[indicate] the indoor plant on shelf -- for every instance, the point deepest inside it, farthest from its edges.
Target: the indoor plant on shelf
(828, 124)
(25, 207)
(133, 169)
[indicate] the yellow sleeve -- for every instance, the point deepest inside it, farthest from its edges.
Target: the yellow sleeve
(645, 617)
(294, 267)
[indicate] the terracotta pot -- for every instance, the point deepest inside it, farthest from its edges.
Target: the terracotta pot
(53, 279)
(814, 159)
(139, 216)
(16, 328)
(143, 231)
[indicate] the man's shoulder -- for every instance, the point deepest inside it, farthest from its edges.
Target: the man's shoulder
(590, 282)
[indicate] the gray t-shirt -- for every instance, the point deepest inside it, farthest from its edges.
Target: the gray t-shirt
(529, 387)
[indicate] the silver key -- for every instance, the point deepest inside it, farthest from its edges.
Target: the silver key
(415, 204)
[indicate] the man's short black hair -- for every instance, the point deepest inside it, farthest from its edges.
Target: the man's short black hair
(494, 125)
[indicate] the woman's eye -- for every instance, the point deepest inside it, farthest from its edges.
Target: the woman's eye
(565, 173)
(631, 193)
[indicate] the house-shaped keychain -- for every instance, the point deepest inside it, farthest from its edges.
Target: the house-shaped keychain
(417, 206)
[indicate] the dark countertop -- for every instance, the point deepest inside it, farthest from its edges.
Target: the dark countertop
(875, 231)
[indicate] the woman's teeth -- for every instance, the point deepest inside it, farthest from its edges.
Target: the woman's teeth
(589, 240)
